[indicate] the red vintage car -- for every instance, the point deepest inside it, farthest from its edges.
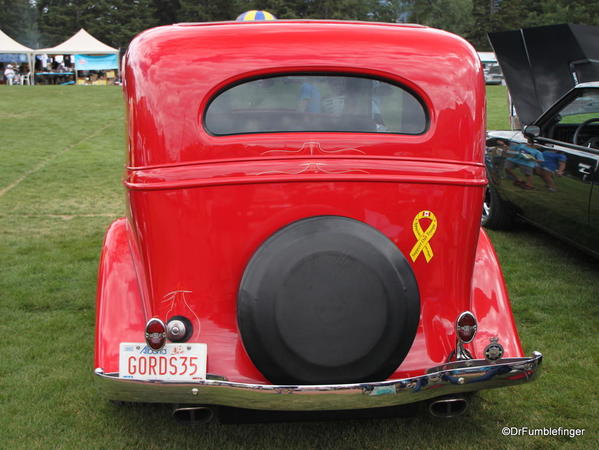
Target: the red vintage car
(303, 223)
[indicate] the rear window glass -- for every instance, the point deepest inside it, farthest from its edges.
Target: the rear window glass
(334, 103)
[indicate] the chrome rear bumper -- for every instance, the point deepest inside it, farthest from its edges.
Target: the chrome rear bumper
(451, 378)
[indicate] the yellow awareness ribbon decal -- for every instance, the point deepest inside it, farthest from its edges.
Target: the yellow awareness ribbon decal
(422, 245)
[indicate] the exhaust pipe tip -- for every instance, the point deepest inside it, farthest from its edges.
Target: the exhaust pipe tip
(448, 407)
(194, 414)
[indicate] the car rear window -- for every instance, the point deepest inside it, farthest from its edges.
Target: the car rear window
(304, 103)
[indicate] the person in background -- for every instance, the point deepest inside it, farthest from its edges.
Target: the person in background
(9, 75)
(18, 72)
(554, 164)
(309, 98)
(526, 157)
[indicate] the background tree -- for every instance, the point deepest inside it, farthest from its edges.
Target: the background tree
(481, 24)
(454, 16)
(577, 11)
(123, 19)
(114, 22)
(514, 14)
(206, 10)
(166, 11)
(18, 19)
(117, 21)
(322, 9)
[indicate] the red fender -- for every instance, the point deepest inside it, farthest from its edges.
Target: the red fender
(120, 311)
(491, 303)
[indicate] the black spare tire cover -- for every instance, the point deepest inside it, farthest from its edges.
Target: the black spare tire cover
(328, 299)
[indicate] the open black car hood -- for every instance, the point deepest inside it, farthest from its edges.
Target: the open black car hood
(541, 64)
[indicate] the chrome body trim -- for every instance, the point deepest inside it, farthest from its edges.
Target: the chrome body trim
(450, 378)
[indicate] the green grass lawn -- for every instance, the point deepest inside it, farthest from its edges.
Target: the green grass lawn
(497, 108)
(61, 160)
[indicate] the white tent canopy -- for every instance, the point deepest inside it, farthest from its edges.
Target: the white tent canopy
(80, 43)
(9, 45)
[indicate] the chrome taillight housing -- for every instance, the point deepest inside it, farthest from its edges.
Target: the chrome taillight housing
(466, 326)
(155, 333)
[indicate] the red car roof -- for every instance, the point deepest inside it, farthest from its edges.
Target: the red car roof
(172, 72)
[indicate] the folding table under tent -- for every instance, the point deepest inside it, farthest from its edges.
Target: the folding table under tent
(82, 44)
(9, 46)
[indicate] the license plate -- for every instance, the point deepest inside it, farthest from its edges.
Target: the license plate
(173, 362)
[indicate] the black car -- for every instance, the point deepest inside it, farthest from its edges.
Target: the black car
(548, 174)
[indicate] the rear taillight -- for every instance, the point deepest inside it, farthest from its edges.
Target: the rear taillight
(155, 333)
(466, 327)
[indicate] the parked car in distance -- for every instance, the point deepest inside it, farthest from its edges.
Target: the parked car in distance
(303, 228)
(491, 69)
(556, 96)
(493, 75)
